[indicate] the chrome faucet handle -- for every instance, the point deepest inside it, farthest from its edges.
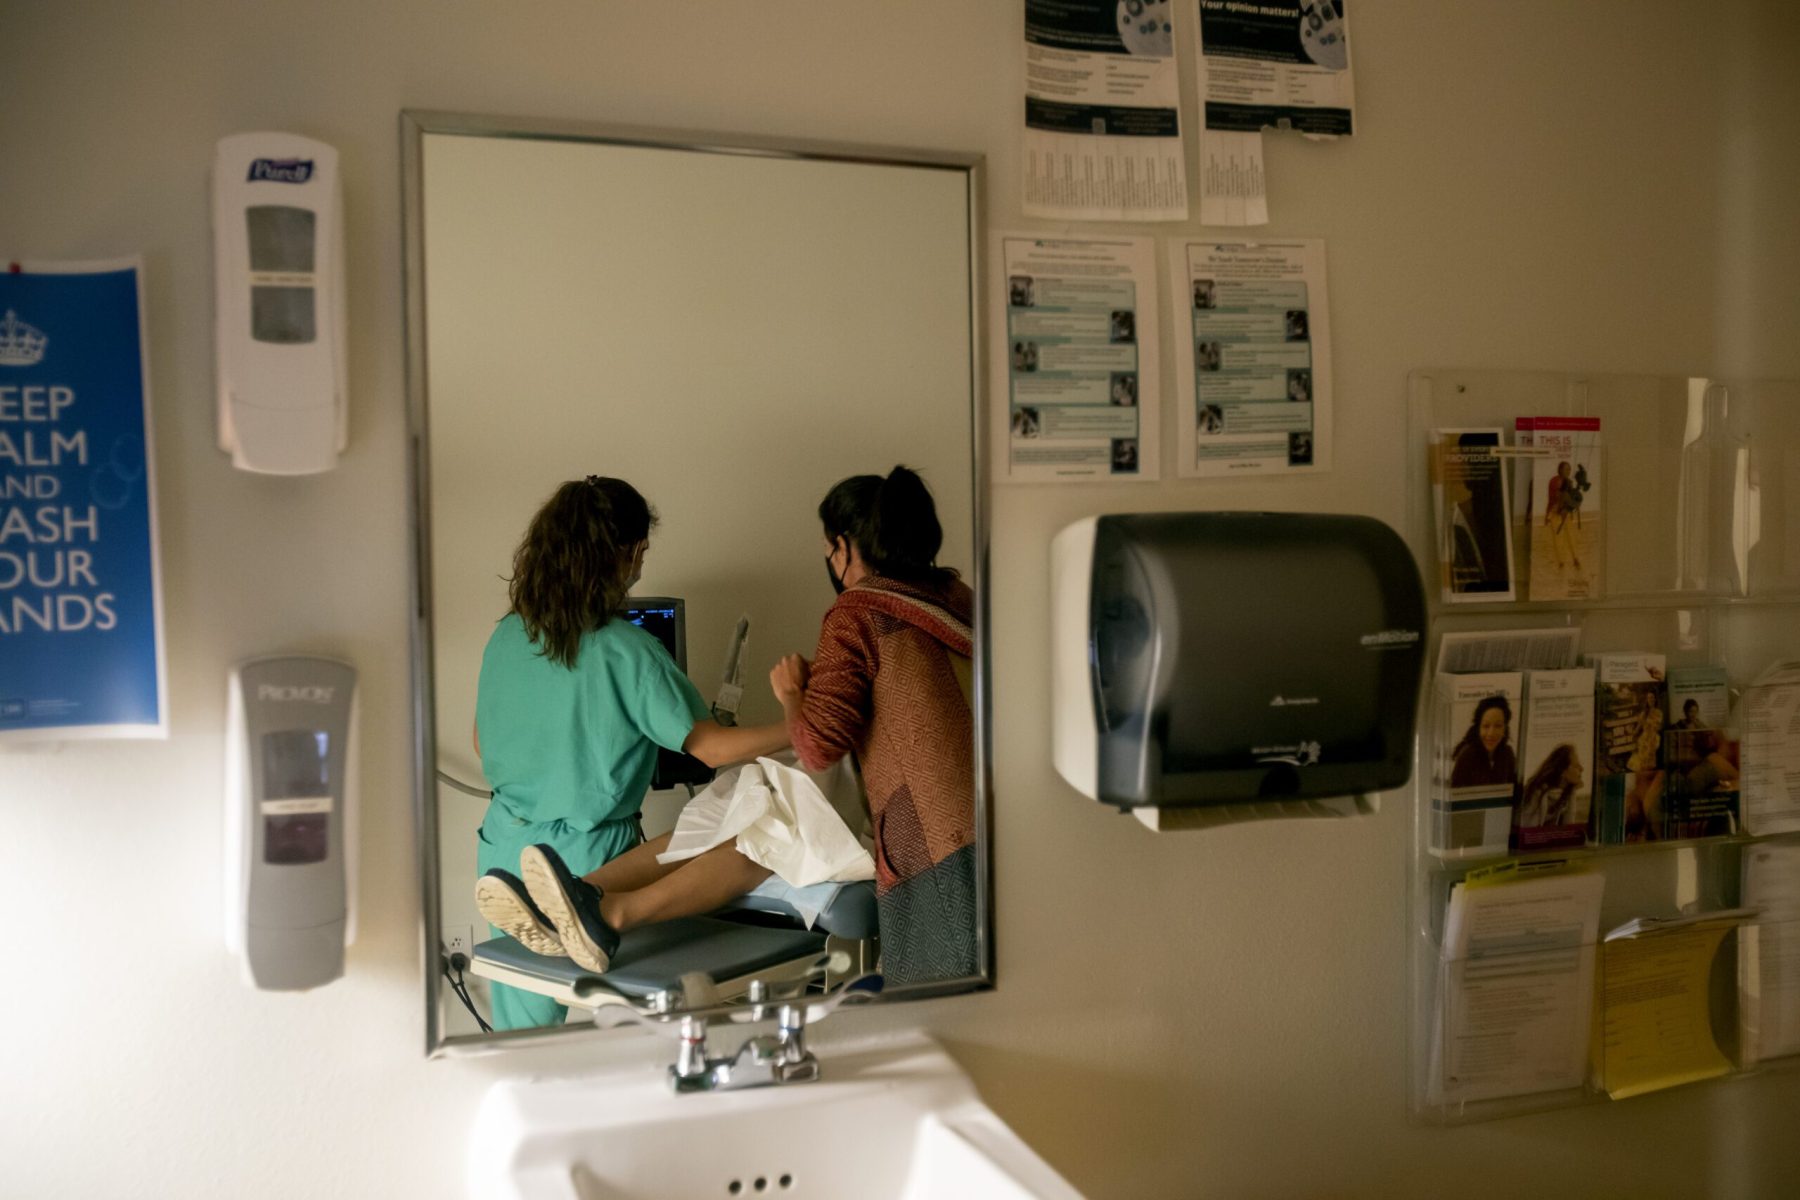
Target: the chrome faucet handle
(664, 1011)
(692, 1070)
(780, 1057)
(697, 996)
(783, 1057)
(761, 995)
(859, 990)
(660, 1012)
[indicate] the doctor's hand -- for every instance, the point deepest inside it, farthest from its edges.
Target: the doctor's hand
(788, 680)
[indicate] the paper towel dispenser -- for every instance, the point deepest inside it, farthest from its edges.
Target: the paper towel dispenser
(1224, 658)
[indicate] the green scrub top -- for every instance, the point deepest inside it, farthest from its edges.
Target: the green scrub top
(579, 744)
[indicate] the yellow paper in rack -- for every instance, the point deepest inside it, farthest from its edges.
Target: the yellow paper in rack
(1658, 1010)
(1513, 870)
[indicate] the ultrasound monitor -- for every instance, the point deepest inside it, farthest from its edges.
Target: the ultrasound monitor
(666, 618)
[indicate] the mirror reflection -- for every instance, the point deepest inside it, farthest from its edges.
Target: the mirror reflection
(700, 519)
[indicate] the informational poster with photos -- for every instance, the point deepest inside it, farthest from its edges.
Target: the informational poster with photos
(80, 606)
(1102, 137)
(1078, 369)
(1253, 372)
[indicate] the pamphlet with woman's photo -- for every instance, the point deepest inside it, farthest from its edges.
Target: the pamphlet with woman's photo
(1478, 768)
(1556, 787)
(1563, 508)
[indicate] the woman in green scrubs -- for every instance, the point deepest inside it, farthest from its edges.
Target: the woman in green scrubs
(573, 702)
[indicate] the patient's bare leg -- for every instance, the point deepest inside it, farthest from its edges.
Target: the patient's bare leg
(635, 868)
(696, 886)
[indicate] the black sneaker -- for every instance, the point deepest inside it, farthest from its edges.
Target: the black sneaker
(573, 906)
(506, 904)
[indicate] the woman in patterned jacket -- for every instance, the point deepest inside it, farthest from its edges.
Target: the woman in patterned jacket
(890, 684)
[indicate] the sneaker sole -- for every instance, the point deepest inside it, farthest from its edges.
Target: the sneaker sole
(547, 892)
(501, 908)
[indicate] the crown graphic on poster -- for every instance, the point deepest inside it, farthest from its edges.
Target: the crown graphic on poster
(20, 344)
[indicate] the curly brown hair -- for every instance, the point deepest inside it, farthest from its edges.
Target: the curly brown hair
(571, 570)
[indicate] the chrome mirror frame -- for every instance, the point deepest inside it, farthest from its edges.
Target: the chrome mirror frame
(415, 125)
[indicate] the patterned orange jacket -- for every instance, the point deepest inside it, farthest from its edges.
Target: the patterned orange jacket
(888, 685)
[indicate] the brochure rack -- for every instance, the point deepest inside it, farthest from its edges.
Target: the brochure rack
(1699, 561)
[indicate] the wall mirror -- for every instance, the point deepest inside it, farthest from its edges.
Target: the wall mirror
(733, 327)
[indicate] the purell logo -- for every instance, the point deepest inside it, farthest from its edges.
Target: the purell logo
(294, 694)
(1292, 701)
(1390, 637)
(280, 170)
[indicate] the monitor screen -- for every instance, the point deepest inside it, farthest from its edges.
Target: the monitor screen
(665, 617)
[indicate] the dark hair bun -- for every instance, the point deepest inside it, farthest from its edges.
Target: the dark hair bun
(892, 522)
(903, 530)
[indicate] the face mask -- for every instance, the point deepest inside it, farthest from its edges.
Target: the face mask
(837, 581)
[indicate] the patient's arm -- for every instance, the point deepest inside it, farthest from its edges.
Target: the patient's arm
(716, 745)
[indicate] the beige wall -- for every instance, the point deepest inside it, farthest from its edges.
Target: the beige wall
(1598, 185)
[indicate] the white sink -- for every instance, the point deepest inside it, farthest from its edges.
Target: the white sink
(899, 1123)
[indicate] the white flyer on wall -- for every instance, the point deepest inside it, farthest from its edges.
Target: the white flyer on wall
(1232, 191)
(1253, 375)
(1079, 365)
(1282, 64)
(1102, 112)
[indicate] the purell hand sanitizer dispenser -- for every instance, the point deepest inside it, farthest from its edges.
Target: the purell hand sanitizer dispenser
(278, 253)
(290, 820)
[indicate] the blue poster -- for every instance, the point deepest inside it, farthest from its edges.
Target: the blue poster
(80, 610)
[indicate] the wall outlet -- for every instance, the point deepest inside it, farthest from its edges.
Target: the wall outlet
(459, 939)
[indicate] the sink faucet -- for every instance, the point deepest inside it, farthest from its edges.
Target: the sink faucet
(765, 1059)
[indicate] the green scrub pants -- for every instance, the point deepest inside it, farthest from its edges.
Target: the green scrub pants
(501, 837)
